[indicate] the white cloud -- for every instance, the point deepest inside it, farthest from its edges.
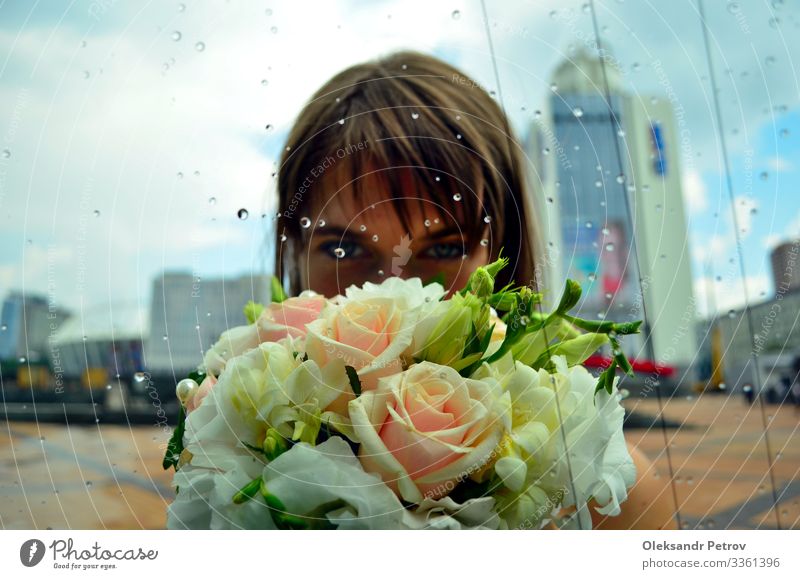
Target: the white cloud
(780, 164)
(694, 192)
(746, 208)
(727, 293)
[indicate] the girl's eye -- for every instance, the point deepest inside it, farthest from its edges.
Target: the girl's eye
(343, 249)
(444, 251)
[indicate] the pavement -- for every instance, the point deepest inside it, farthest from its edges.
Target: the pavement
(109, 476)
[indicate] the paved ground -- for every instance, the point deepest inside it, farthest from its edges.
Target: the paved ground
(110, 476)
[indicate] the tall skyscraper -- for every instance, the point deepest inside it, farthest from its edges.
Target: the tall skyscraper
(786, 267)
(609, 172)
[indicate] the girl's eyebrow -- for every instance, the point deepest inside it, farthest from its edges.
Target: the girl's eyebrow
(342, 232)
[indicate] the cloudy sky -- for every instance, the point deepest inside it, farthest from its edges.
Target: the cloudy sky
(132, 134)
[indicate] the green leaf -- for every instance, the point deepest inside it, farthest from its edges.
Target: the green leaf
(593, 326)
(175, 444)
(570, 297)
(252, 311)
(355, 382)
(276, 289)
(606, 379)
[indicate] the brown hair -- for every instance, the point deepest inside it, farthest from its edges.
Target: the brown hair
(416, 113)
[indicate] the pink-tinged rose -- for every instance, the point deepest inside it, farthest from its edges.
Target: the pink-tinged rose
(289, 318)
(428, 428)
(205, 388)
(370, 335)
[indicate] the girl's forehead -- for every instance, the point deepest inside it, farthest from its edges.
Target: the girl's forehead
(371, 199)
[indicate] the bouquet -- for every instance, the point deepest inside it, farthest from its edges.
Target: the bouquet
(392, 407)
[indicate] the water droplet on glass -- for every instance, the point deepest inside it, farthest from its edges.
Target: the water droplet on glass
(609, 247)
(456, 14)
(86, 74)
(763, 176)
(212, 200)
(176, 36)
(268, 128)
(283, 237)
(88, 484)
(458, 136)
(3, 328)
(598, 183)
(181, 7)
(591, 277)
(321, 223)
(620, 178)
(339, 252)
(264, 82)
(589, 225)
(456, 196)
(139, 377)
(274, 29)
(374, 238)
(427, 223)
(6, 154)
(487, 219)
(578, 112)
(380, 272)
(341, 121)
(96, 213)
(305, 222)
(415, 116)
(242, 214)
(553, 87)
(484, 242)
(200, 46)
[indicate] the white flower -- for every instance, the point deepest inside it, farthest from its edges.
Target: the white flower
(409, 294)
(307, 477)
(552, 414)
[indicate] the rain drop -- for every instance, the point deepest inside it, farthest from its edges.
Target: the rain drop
(374, 238)
(341, 121)
(242, 214)
(321, 223)
(268, 128)
(305, 222)
(176, 36)
(763, 175)
(456, 14)
(381, 273)
(200, 46)
(96, 213)
(620, 178)
(212, 200)
(457, 197)
(274, 29)
(6, 154)
(487, 219)
(415, 116)
(609, 247)
(339, 252)
(578, 112)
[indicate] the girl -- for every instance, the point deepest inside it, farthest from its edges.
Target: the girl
(405, 166)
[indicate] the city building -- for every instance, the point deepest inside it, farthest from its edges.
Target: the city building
(786, 266)
(27, 321)
(188, 313)
(607, 172)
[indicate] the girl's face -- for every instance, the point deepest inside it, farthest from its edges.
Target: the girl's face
(368, 242)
